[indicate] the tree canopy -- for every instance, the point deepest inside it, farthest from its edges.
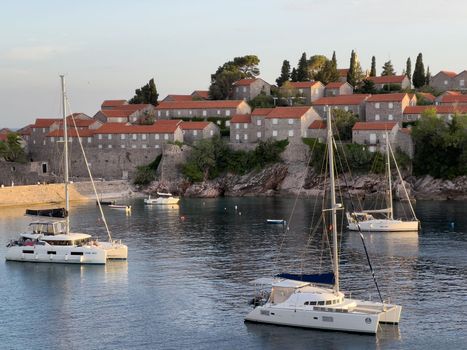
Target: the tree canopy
(373, 67)
(285, 73)
(147, 94)
(11, 150)
(302, 69)
(355, 73)
(388, 69)
(419, 78)
(408, 68)
(328, 73)
(231, 71)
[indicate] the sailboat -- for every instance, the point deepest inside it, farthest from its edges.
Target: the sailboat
(306, 301)
(365, 221)
(52, 241)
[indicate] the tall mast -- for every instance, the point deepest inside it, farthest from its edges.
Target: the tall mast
(391, 215)
(65, 134)
(333, 200)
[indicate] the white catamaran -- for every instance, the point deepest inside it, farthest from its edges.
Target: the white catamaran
(52, 241)
(304, 301)
(366, 221)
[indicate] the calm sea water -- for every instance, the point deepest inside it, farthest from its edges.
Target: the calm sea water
(185, 285)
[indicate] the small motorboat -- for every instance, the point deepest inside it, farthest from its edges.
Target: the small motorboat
(127, 208)
(52, 212)
(276, 221)
(162, 198)
(101, 202)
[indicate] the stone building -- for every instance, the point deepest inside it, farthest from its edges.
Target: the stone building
(442, 80)
(111, 104)
(202, 109)
(387, 107)
(388, 82)
(350, 103)
(248, 89)
(453, 99)
(317, 130)
(242, 130)
(308, 91)
(343, 74)
(195, 131)
(459, 82)
(133, 113)
(338, 88)
(373, 134)
(414, 113)
(172, 98)
(200, 95)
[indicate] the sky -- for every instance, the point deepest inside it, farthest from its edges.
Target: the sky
(108, 48)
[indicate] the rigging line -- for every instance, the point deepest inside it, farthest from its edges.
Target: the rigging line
(89, 170)
(284, 234)
(364, 245)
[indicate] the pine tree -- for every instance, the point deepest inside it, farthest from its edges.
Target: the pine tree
(285, 73)
(147, 94)
(328, 73)
(419, 78)
(302, 69)
(373, 67)
(334, 59)
(428, 76)
(408, 68)
(355, 74)
(293, 75)
(388, 69)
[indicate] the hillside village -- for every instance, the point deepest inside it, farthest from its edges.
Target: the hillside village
(121, 135)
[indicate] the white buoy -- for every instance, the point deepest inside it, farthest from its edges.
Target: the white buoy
(236, 207)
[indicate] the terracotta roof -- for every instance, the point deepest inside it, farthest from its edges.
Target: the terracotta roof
(450, 74)
(199, 104)
(44, 122)
(428, 96)
(133, 106)
(3, 137)
(387, 97)
(343, 72)
(117, 113)
(440, 109)
(194, 125)
(201, 93)
(334, 85)
(80, 123)
(318, 124)
(374, 126)
(244, 82)
(354, 99)
(113, 103)
(451, 93)
(303, 84)
(5, 131)
(26, 130)
(160, 126)
(261, 111)
(179, 97)
(388, 79)
(454, 99)
(288, 112)
(241, 118)
(71, 133)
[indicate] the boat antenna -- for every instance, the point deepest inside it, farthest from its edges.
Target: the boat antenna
(65, 134)
(333, 200)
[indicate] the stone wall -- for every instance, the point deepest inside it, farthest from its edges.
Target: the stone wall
(21, 174)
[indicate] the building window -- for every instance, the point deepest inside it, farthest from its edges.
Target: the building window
(133, 146)
(237, 126)
(100, 146)
(144, 146)
(258, 122)
(158, 113)
(156, 136)
(390, 105)
(244, 89)
(245, 137)
(122, 137)
(166, 136)
(300, 91)
(290, 121)
(445, 82)
(109, 136)
(157, 146)
(274, 133)
(237, 137)
(122, 146)
(178, 112)
(227, 113)
(99, 136)
(143, 136)
(166, 113)
(274, 120)
(211, 132)
(61, 139)
(245, 126)
(377, 117)
(190, 112)
(461, 82)
(205, 113)
(346, 108)
(70, 139)
(195, 132)
(43, 142)
(52, 139)
(290, 133)
(218, 112)
(43, 129)
(109, 146)
(390, 117)
(258, 134)
(134, 136)
(377, 105)
(227, 123)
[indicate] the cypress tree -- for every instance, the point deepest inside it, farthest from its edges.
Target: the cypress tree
(408, 68)
(419, 78)
(147, 94)
(428, 76)
(334, 59)
(388, 69)
(302, 69)
(373, 67)
(293, 75)
(285, 73)
(355, 74)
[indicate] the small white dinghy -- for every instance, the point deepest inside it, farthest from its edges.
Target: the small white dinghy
(162, 198)
(276, 221)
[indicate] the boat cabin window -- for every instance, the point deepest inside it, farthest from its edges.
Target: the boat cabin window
(320, 302)
(48, 228)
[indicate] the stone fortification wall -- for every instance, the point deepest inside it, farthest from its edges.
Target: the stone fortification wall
(19, 174)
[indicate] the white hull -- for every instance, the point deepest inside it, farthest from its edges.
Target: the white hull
(57, 254)
(365, 318)
(162, 201)
(114, 250)
(384, 225)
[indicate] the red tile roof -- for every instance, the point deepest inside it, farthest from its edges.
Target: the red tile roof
(44, 122)
(354, 99)
(451, 93)
(113, 103)
(449, 73)
(343, 72)
(26, 130)
(374, 126)
(388, 79)
(318, 124)
(201, 93)
(80, 123)
(440, 109)
(427, 96)
(199, 104)
(303, 84)
(194, 125)
(117, 113)
(334, 85)
(3, 137)
(454, 99)
(71, 133)
(179, 97)
(5, 131)
(241, 118)
(160, 126)
(288, 112)
(133, 107)
(261, 111)
(398, 97)
(244, 82)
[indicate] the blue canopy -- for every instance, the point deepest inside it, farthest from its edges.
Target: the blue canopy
(324, 278)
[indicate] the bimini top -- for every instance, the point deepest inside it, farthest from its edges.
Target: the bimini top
(162, 194)
(48, 228)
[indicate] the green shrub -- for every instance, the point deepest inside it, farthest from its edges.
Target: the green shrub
(145, 174)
